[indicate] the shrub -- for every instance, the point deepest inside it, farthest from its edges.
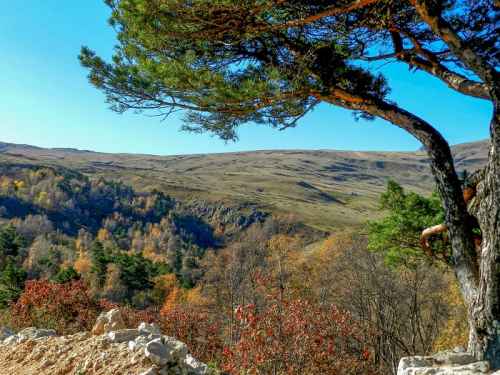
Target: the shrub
(131, 317)
(296, 337)
(68, 308)
(197, 328)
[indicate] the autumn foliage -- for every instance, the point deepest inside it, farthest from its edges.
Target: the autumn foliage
(265, 302)
(296, 337)
(67, 308)
(198, 328)
(132, 317)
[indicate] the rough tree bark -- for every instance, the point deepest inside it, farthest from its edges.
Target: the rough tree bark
(478, 274)
(484, 307)
(484, 340)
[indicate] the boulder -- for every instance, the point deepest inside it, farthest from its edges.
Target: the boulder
(10, 340)
(150, 371)
(149, 329)
(111, 320)
(123, 335)
(140, 342)
(141, 351)
(453, 358)
(176, 349)
(443, 363)
(30, 333)
(36, 333)
(194, 366)
(157, 352)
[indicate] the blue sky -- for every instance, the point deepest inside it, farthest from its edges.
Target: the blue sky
(45, 99)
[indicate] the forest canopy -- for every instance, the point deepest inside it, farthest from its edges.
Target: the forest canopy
(202, 278)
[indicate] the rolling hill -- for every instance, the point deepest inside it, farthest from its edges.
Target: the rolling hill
(324, 189)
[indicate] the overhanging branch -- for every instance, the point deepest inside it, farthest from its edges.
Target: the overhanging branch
(431, 15)
(464, 257)
(428, 61)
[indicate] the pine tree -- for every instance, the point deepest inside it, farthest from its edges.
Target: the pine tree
(10, 242)
(66, 275)
(232, 62)
(12, 280)
(99, 262)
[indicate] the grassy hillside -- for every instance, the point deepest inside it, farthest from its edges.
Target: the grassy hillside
(324, 189)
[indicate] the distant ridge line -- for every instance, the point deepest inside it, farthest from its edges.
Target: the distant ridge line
(6, 145)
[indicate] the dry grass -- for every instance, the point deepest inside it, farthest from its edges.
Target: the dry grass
(324, 189)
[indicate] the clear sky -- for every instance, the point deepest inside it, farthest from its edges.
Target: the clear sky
(45, 99)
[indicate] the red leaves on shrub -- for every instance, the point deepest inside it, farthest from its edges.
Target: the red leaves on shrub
(279, 336)
(296, 337)
(131, 317)
(67, 308)
(195, 327)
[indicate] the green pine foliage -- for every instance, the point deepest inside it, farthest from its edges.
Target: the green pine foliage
(12, 278)
(397, 235)
(224, 64)
(229, 62)
(66, 275)
(99, 262)
(10, 242)
(136, 272)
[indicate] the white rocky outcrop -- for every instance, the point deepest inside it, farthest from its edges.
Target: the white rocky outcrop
(149, 328)
(30, 333)
(157, 352)
(123, 335)
(111, 320)
(456, 361)
(110, 349)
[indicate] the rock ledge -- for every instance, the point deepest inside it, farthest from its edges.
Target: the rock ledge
(456, 361)
(110, 349)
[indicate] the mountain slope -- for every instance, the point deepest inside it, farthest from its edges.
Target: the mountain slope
(325, 189)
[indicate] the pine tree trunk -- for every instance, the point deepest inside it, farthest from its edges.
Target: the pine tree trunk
(484, 311)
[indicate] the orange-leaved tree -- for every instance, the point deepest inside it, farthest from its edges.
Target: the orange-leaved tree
(296, 337)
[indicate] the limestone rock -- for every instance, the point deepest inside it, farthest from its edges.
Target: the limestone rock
(36, 333)
(5, 332)
(444, 363)
(453, 358)
(10, 340)
(146, 328)
(111, 320)
(142, 351)
(123, 335)
(140, 342)
(150, 371)
(176, 349)
(157, 352)
(194, 366)
(30, 333)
